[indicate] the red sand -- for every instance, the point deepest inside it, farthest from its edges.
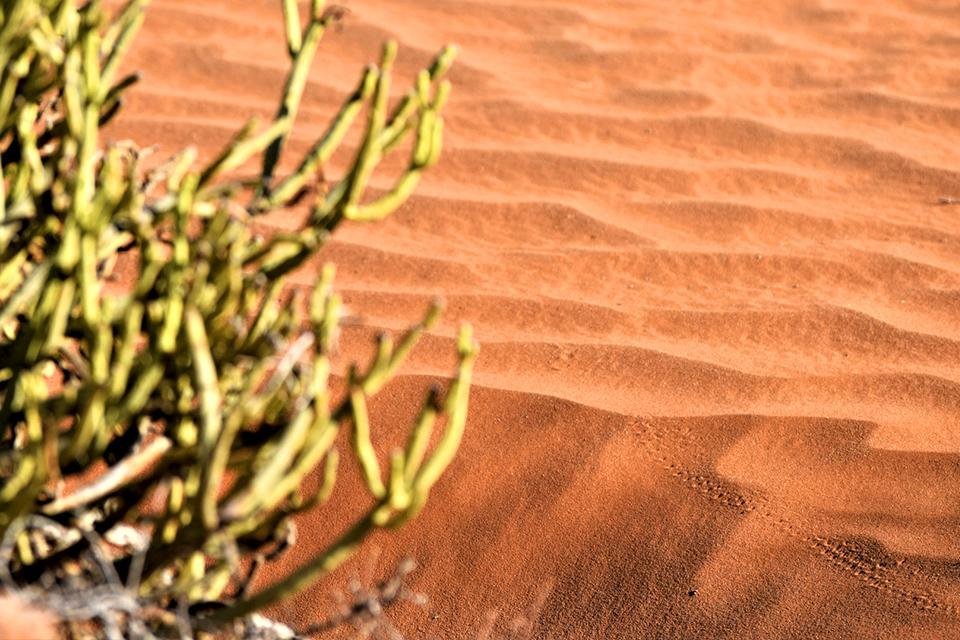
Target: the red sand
(718, 299)
(22, 621)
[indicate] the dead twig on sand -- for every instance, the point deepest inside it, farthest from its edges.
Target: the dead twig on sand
(364, 607)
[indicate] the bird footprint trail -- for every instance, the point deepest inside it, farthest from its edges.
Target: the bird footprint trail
(865, 561)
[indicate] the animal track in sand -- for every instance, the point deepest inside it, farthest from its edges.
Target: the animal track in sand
(866, 560)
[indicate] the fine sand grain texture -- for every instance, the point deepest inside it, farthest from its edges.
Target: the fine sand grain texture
(704, 248)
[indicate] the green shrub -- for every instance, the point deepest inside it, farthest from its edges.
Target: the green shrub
(204, 381)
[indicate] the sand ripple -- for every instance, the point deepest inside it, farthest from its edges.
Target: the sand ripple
(720, 303)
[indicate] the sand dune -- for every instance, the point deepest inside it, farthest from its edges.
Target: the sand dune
(704, 248)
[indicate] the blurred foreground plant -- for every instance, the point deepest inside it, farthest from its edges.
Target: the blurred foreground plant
(202, 382)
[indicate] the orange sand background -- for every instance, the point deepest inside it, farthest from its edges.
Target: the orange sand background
(718, 300)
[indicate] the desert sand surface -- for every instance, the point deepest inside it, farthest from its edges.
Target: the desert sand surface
(705, 249)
